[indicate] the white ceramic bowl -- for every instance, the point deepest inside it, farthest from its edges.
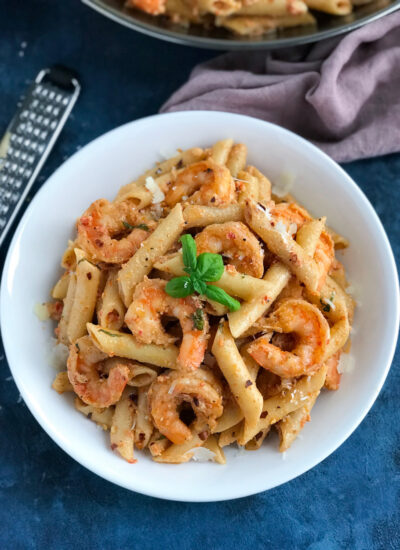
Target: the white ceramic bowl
(98, 170)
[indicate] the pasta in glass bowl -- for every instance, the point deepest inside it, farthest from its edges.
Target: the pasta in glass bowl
(203, 308)
(242, 24)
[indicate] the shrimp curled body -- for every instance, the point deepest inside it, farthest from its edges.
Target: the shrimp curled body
(204, 182)
(103, 222)
(87, 371)
(311, 334)
(293, 216)
(200, 389)
(237, 242)
(150, 302)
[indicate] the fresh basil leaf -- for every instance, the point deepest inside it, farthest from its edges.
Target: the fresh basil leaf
(210, 267)
(199, 285)
(198, 319)
(218, 295)
(189, 252)
(179, 287)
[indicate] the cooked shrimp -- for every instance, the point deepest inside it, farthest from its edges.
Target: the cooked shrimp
(214, 184)
(332, 380)
(235, 241)
(150, 302)
(290, 214)
(102, 231)
(87, 372)
(311, 331)
(154, 7)
(293, 217)
(200, 389)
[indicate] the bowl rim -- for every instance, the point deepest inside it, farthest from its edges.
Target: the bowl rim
(91, 465)
(221, 44)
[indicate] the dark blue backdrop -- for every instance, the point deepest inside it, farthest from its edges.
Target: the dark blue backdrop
(350, 501)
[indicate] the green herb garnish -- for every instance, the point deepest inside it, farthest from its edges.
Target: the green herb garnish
(110, 333)
(202, 269)
(131, 227)
(327, 305)
(198, 319)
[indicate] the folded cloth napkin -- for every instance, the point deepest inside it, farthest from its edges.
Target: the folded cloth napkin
(343, 94)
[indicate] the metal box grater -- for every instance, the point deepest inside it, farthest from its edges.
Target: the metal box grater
(30, 137)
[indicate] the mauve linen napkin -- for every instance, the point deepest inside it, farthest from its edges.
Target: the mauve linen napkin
(343, 94)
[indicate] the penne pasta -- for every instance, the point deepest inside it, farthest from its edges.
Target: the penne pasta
(288, 251)
(201, 216)
(143, 425)
(121, 432)
(60, 289)
(290, 426)
(239, 379)
(233, 282)
(252, 25)
(237, 159)
(102, 417)
(141, 375)
(336, 7)
(153, 247)
(84, 300)
(220, 151)
(61, 383)
(110, 308)
(273, 8)
(114, 343)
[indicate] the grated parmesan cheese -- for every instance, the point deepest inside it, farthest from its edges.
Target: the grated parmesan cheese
(346, 363)
(201, 454)
(329, 303)
(281, 228)
(41, 312)
(172, 387)
(58, 355)
(292, 229)
(265, 211)
(283, 184)
(151, 185)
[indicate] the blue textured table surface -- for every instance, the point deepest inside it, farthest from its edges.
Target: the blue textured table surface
(47, 500)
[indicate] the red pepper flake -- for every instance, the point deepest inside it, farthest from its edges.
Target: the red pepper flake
(89, 276)
(90, 415)
(264, 414)
(248, 383)
(231, 235)
(266, 299)
(196, 401)
(257, 436)
(142, 436)
(212, 199)
(293, 258)
(99, 243)
(114, 446)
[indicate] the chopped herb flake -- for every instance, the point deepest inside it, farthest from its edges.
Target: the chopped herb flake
(110, 333)
(198, 319)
